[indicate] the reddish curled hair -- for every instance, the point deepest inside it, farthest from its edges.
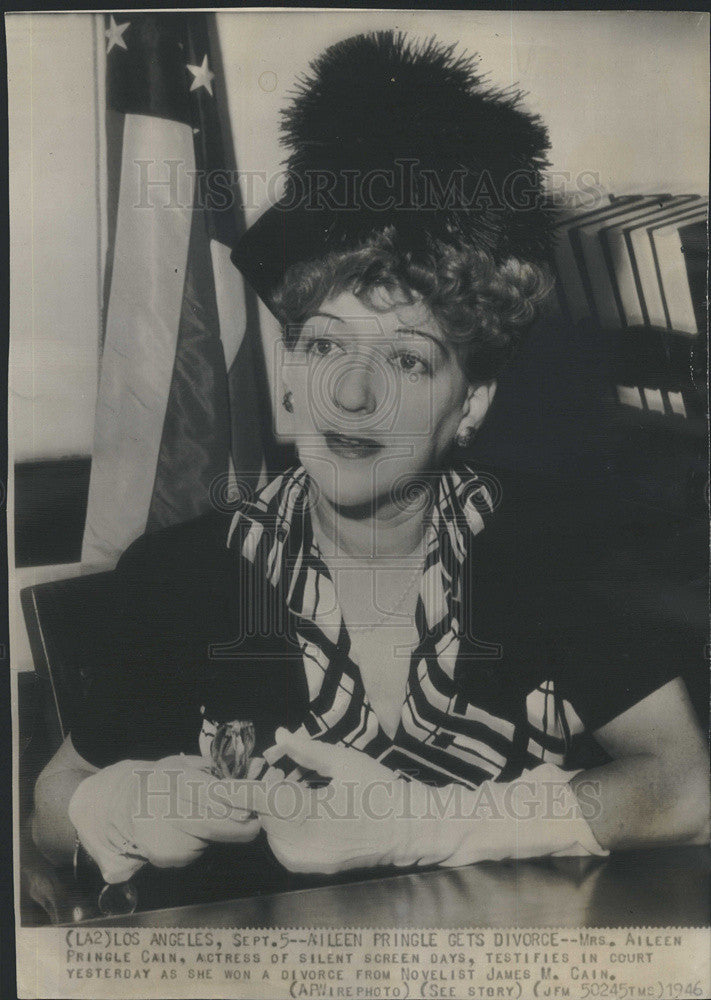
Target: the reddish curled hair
(482, 308)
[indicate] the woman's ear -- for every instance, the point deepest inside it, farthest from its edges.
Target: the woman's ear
(284, 386)
(476, 406)
(284, 407)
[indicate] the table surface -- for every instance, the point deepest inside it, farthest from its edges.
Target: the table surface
(660, 888)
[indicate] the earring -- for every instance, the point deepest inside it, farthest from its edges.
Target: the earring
(287, 403)
(464, 437)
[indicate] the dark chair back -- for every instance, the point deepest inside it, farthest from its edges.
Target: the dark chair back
(65, 621)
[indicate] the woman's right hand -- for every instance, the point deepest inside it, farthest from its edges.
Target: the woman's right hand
(164, 813)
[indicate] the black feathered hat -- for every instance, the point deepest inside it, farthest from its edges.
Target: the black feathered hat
(386, 135)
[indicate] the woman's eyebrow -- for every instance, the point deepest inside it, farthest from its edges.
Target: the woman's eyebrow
(429, 336)
(327, 315)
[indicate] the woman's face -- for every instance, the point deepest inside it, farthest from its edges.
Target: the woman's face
(377, 397)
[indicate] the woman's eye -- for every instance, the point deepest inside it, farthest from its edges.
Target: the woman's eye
(321, 347)
(412, 364)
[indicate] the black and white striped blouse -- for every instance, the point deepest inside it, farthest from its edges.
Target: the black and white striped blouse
(442, 736)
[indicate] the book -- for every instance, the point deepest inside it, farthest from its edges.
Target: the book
(671, 268)
(615, 245)
(647, 278)
(571, 289)
(695, 247)
(576, 237)
(599, 264)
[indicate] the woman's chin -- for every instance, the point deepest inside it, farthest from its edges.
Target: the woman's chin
(340, 487)
(345, 495)
(349, 484)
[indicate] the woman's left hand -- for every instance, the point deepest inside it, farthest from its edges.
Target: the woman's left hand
(370, 816)
(358, 820)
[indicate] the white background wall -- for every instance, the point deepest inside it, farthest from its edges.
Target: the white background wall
(55, 268)
(54, 229)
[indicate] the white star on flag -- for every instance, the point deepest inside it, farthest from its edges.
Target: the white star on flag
(203, 77)
(115, 34)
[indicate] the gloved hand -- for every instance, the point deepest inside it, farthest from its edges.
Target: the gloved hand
(336, 827)
(537, 815)
(369, 815)
(162, 812)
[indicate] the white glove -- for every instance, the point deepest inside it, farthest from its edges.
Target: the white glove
(534, 816)
(135, 812)
(370, 816)
(332, 828)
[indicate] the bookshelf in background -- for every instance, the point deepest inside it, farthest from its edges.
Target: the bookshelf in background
(637, 265)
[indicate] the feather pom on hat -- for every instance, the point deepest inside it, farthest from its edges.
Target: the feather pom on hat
(387, 135)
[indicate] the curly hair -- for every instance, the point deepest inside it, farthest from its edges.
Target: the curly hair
(482, 308)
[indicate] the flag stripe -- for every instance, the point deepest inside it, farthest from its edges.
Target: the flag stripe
(114, 148)
(194, 444)
(150, 262)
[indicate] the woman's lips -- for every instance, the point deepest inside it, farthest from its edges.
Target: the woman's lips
(351, 447)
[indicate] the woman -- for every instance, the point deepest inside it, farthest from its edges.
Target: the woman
(377, 612)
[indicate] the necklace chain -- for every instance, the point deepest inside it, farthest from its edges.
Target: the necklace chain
(414, 580)
(382, 617)
(405, 597)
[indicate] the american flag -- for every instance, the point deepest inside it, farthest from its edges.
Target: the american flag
(180, 393)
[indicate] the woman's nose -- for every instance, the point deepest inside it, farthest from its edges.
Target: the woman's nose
(354, 388)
